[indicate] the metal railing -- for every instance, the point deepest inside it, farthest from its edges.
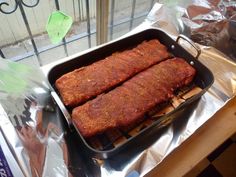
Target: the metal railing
(101, 31)
(20, 4)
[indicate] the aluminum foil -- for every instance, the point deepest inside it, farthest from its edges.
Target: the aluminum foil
(42, 145)
(30, 122)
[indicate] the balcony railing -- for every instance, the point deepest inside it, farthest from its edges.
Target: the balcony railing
(22, 29)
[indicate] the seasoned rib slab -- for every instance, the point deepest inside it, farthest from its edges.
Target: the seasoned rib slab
(129, 102)
(82, 84)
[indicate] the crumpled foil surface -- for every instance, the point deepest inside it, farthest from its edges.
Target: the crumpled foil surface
(41, 143)
(30, 121)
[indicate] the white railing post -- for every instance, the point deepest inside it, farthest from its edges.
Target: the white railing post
(102, 13)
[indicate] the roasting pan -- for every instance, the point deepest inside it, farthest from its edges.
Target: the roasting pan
(204, 79)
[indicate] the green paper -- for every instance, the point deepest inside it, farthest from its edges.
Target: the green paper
(170, 3)
(11, 84)
(58, 25)
(19, 68)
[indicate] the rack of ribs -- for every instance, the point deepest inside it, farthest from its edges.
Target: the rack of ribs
(85, 83)
(128, 103)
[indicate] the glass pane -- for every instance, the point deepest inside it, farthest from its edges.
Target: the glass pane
(124, 15)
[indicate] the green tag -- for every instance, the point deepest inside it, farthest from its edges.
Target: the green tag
(58, 25)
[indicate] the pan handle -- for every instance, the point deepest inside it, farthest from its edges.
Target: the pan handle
(197, 48)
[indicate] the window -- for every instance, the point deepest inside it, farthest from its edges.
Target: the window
(23, 36)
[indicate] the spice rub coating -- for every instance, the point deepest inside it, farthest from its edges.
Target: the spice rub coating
(84, 83)
(129, 102)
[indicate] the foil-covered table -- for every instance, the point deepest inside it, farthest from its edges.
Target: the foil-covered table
(36, 133)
